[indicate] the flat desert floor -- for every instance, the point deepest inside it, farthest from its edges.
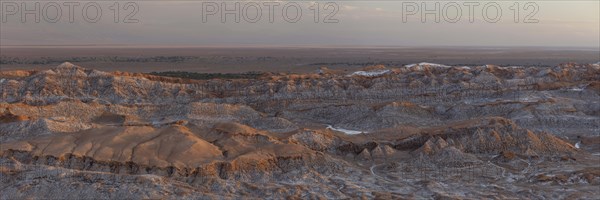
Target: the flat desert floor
(280, 59)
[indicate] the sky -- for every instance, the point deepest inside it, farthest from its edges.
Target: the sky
(339, 23)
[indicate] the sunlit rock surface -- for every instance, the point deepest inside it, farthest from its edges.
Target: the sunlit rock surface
(420, 131)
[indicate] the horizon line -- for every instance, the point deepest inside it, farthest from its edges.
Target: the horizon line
(597, 48)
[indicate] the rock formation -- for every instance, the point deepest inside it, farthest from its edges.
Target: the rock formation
(421, 127)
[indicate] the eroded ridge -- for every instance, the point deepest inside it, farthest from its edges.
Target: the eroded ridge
(419, 131)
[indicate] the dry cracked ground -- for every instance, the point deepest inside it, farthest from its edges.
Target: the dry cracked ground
(421, 131)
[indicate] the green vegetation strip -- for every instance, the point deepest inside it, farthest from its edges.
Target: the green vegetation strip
(207, 76)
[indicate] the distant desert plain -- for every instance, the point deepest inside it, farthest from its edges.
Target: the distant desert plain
(279, 59)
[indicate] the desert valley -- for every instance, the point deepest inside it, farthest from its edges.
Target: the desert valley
(411, 131)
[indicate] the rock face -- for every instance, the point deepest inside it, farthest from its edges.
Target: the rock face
(125, 135)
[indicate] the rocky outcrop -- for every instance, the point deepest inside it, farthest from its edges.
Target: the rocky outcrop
(274, 134)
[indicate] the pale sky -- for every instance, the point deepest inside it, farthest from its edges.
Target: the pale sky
(370, 23)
